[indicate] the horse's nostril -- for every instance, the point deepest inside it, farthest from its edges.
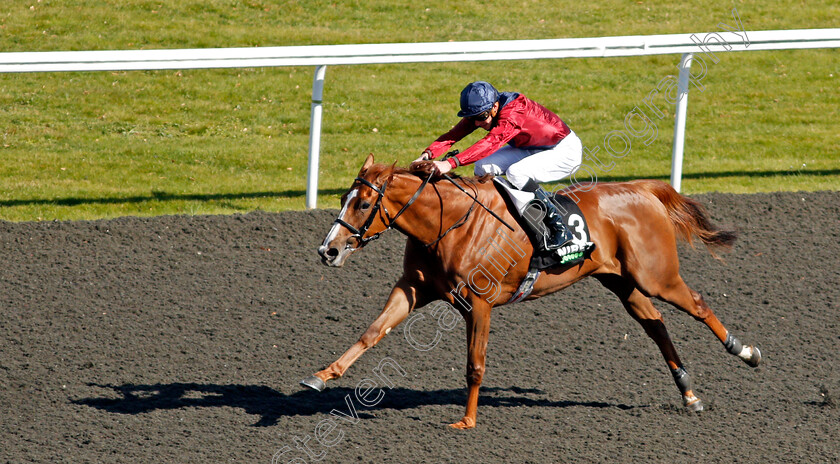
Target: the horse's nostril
(332, 252)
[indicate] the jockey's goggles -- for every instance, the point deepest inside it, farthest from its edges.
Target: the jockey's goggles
(481, 116)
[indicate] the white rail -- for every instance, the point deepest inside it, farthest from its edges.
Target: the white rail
(321, 56)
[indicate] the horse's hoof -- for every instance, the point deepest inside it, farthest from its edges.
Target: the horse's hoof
(696, 406)
(693, 403)
(755, 358)
(314, 383)
(464, 424)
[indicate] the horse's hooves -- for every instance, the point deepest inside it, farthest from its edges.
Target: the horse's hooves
(755, 359)
(314, 383)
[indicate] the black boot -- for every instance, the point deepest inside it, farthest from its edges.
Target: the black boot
(546, 221)
(558, 234)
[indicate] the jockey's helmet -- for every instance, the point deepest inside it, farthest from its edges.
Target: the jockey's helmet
(476, 98)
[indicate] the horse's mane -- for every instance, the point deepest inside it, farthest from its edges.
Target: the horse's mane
(420, 170)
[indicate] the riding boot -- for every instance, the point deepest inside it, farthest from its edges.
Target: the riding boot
(555, 235)
(558, 234)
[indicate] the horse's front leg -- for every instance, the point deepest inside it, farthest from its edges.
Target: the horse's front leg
(478, 330)
(401, 302)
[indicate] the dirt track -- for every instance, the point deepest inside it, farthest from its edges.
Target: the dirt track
(182, 339)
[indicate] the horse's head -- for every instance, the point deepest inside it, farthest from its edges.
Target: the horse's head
(363, 216)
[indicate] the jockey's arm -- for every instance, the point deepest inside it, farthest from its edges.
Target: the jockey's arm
(498, 136)
(440, 146)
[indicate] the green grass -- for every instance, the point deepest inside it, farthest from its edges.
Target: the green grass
(106, 144)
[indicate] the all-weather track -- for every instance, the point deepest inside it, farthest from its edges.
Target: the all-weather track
(182, 339)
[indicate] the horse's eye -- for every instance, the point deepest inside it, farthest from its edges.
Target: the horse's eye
(364, 205)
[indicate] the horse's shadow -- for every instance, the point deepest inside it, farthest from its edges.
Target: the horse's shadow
(271, 405)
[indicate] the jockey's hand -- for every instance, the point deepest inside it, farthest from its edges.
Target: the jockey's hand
(443, 166)
(426, 155)
(430, 168)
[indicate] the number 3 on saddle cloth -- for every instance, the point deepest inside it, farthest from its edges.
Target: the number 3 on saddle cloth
(530, 217)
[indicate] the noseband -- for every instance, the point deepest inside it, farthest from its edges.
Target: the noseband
(359, 233)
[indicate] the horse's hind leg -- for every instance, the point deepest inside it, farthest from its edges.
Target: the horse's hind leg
(681, 296)
(643, 311)
(657, 275)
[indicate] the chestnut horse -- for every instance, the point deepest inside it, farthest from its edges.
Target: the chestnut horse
(634, 224)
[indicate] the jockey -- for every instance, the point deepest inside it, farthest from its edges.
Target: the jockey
(526, 142)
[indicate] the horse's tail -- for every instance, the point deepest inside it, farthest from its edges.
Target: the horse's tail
(689, 217)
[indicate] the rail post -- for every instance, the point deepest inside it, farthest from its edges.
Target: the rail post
(679, 122)
(315, 137)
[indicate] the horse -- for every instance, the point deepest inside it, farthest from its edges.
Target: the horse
(448, 257)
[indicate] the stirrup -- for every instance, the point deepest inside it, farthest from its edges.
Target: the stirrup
(558, 235)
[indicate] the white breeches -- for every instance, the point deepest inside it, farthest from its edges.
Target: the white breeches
(521, 164)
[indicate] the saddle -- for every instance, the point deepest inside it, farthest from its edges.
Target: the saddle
(542, 258)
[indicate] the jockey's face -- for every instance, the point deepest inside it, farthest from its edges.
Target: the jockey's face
(487, 122)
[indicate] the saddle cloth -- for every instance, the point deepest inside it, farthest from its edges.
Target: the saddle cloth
(573, 218)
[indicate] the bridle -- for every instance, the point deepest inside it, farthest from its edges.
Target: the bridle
(359, 233)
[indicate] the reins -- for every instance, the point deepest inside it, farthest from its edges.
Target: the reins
(475, 200)
(359, 233)
(450, 155)
(454, 226)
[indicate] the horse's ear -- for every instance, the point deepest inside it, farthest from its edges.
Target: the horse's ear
(392, 169)
(368, 163)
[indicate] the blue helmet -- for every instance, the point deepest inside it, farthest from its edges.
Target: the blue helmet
(476, 98)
